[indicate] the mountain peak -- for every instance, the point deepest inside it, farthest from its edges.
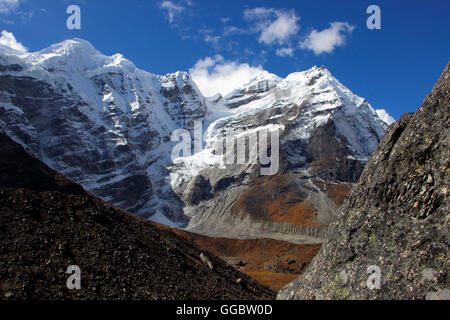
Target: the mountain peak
(78, 56)
(264, 75)
(313, 72)
(179, 79)
(70, 47)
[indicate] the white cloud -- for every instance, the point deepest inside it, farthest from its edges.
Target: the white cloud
(328, 39)
(216, 75)
(273, 25)
(258, 13)
(281, 29)
(172, 9)
(284, 52)
(8, 6)
(211, 39)
(229, 30)
(8, 39)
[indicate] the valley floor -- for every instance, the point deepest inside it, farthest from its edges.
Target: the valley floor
(272, 262)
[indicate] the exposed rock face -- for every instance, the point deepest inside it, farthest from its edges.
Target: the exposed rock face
(396, 217)
(197, 189)
(50, 226)
(328, 156)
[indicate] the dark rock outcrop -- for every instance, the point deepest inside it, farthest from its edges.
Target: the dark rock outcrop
(20, 169)
(197, 189)
(395, 222)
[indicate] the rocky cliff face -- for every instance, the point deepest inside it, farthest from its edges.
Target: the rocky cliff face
(107, 125)
(394, 225)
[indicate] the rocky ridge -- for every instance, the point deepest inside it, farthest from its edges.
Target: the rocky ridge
(395, 219)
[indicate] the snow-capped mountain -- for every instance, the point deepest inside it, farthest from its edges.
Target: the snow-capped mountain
(100, 121)
(107, 125)
(327, 133)
(297, 105)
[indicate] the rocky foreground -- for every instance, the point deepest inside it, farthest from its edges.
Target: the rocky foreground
(392, 239)
(48, 223)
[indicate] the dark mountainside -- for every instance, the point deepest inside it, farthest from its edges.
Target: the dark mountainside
(48, 223)
(20, 169)
(396, 216)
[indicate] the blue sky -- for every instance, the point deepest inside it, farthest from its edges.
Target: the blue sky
(393, 68)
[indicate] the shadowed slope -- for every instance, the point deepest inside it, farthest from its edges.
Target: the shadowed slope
(121, 256)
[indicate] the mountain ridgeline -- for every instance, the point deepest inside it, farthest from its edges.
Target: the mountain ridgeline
(107, 126)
